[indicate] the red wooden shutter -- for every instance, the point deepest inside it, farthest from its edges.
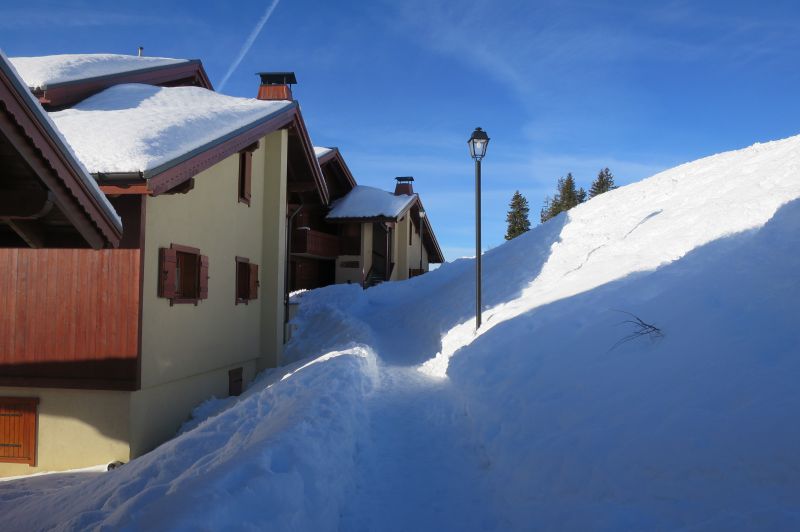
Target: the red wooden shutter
(18, 430)
(167, 268)
(253, 281)
(203, 277)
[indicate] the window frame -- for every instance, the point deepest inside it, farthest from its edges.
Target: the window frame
(245, 183)
(245, 286)
(176, 295)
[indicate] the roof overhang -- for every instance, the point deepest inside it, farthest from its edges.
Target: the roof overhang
(174, 173)
(27, 127)
(187, 73)
(334, 157)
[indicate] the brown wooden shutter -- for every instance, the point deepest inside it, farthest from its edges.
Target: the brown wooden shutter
(245, 175)
(167, 267)
(18, 429)
(253, 294)
(203, 293)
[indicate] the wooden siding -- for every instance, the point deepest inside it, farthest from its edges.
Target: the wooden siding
(315, 243)
(70, 317)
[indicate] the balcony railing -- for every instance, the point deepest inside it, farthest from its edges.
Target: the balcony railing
(315, 243)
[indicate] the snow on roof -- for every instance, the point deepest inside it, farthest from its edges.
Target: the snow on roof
(40, 72)
(321, 152)
(136, 128)
(58, 137)
(370, 202)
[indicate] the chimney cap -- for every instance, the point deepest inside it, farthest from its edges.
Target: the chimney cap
(404, 179)
(277, 78)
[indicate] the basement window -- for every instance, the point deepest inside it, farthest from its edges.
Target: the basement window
(183, 274)
(18, 419)
(246, 280)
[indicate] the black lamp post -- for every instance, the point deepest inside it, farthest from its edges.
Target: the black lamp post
(478, 143)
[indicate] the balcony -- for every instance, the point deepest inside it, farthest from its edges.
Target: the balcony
(316, 244)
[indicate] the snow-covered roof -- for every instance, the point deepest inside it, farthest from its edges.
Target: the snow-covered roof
(321, 152)
(139, 128)
(57, 136)
(41, 72)
(370, 202)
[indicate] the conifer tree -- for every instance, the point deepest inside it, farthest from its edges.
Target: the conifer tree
(517, 217)
(567, 197)
(603, 183)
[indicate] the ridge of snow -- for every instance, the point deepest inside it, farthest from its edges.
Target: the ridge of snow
(136, 128)
(41, 71)
(368, 202)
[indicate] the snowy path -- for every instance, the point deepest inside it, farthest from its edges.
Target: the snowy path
(418, 468)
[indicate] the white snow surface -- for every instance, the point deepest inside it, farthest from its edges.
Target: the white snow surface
(321, 152)
(39, 72)
(67, 149)
(368, 202)
(397, 416)
(135, 128)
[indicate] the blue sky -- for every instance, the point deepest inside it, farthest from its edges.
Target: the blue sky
(560, 86)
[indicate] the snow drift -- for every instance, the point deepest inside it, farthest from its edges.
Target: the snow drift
(543, 420)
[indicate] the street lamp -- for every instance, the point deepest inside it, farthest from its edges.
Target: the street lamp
(478, 143)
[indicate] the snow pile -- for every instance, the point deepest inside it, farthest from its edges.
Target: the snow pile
(281, 459)
(136, 128)
(369, 202)
(557, 415)
(45, 71)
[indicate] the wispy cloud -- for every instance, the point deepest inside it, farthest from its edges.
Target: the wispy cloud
(248, 43)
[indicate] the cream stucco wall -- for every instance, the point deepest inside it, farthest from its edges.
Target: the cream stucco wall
(76, 428)
(348, 274)
(188, 349)
(366, 248)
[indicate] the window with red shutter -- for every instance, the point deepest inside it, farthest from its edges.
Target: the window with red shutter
(246, 280)
(183, 274)
(246, 173)
(253, 288)
(18, 418)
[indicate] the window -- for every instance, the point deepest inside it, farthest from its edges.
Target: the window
(18, 418)
(183, 274)
(235, 381)
(246, 280)
(246, 173)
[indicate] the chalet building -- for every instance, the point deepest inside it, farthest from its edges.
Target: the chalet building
(389, 235)
(108, 340)
(150, 231)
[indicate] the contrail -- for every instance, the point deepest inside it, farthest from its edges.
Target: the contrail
(249, 42)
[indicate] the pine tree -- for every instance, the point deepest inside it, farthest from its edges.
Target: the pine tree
(517, 217)
(566, 198)
(603, 183)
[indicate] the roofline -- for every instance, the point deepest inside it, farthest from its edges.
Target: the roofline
(105, 226)
(308, 147)
(172, 173)
(336, 155)
(414, 198)
(70, 92)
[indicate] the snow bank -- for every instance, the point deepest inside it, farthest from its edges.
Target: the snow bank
(368, 202)
(136, 128)
(43, 71)
(280, 459)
